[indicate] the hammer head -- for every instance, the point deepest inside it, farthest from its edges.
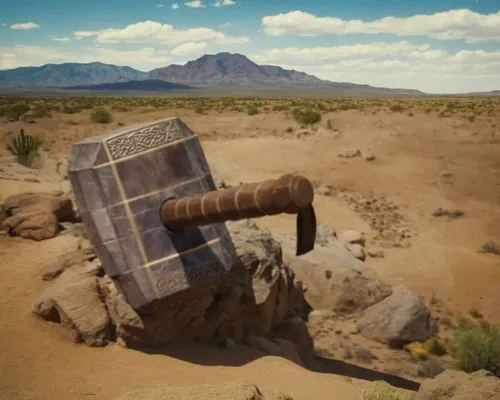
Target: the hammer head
(119, 180)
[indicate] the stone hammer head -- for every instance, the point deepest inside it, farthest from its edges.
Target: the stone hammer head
(151, 209)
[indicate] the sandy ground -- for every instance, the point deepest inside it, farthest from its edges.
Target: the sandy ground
(423, 161)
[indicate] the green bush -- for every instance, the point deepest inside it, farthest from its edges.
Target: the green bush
(25, 148)
(476, 346)
(307, 117)
(252, 110)
(100, 116)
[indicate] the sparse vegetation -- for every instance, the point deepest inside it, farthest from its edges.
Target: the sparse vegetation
(490, 247)
(307, 117)
(25, 148)
(252, 110)
(100, 116)
(476, 346)
(383, 391)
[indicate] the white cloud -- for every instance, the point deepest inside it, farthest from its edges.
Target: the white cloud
(225, 25)
(160, 6)
(60, 38)
(151, 32)
(189, 48)
(400, 64)
(4, 24)
(85, 34)
(25, 26)
(464, 24)
(222, 3)
(314, 55)
(175, 6)
(143, 59)
(195, 4)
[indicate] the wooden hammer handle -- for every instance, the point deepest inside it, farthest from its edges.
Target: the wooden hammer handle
(288, 194)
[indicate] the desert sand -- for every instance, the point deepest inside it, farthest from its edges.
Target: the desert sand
(436, 153)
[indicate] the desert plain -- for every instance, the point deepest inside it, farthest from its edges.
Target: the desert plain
(420, 177)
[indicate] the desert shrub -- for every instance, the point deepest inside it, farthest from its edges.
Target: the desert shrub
(280, 107)
(200, 110)
(100, 116)
(397, 108)
(71, 109)
(25, 148)
(476, 346)
(383, 391)
(490, 247)
(40, 111)
(252, 110)
(307, 117)
(15, 111)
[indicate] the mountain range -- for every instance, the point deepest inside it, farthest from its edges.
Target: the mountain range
(211, 70)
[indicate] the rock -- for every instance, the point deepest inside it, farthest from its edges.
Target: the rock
(353, 237)
(376, 253)
(220, 184)
(56, 202)
(221, 391)
(352, 286)
(357, 251)
(458, 385)
(324, 234)
(325, 190)
(35, 222)
(369, 157)
(36, 215)
(295, 330)
(68, 260)
(73, 300)
(399, 319)
(302, 133)
(350, 154)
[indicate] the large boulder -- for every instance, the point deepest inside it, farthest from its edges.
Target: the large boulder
(398, 319)
(334, 278)
(222, 391)
(458, 385)
(35, 215)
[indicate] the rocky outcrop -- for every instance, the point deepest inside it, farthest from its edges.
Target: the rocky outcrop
(261, 292)
(223, 391)
(36, 215)
(458, 385)
(398, 319)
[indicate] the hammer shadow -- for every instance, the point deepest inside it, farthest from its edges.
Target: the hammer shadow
(210, 355)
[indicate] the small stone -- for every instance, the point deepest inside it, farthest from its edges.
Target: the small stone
(376, 253)
(353, 237)
(370, 157)
(357, 251)
(350, 154)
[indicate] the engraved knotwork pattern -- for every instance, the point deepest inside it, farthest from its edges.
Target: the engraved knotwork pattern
(143, 139)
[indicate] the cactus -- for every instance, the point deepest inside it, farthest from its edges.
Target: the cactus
(25, 148)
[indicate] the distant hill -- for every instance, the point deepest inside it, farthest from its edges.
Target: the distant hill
(143, 85)
(58, 75)
(234, 71)
(231, 68)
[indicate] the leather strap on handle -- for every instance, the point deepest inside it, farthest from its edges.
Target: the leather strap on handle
(288, 194)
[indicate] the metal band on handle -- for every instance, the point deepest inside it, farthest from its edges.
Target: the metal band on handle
(288, 194)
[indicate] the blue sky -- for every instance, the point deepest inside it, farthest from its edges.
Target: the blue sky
(436, 46)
